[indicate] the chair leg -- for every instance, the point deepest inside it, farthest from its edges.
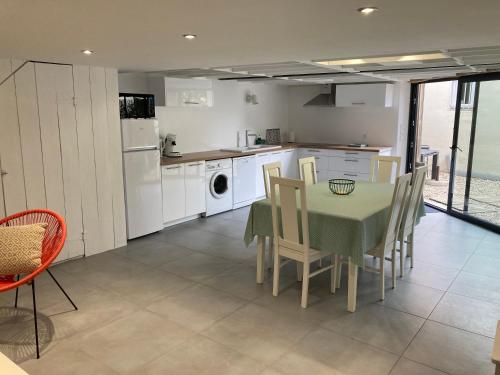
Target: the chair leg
(382, 279)
(401, 257)
(338, 270)
(62, 290)
(411, 248)
(270, 254)
(305, 285)
(276, 273)
(17, 293)
(393, 266)
(333, 273)
(36, 321)
(299, 271)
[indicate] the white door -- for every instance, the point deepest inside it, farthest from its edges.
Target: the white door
(174, 192)
(194, 175)
(143, 192)
(260, 160)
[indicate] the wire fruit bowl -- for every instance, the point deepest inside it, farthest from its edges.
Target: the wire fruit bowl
(341, 186)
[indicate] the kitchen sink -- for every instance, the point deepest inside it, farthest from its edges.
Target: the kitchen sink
(252, 148)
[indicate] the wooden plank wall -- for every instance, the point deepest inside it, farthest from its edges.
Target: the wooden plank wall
(61, 146)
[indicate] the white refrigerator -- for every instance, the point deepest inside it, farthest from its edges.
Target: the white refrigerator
(142, 176)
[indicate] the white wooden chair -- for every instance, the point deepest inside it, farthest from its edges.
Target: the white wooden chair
(390, 239)
(381, 168)
(307, 170)
(410, 216)
(495, 355)
(270, 170)
(289, 245)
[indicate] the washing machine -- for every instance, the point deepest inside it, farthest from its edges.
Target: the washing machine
(219, 189)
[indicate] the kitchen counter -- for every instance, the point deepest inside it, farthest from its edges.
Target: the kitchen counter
(218, 154)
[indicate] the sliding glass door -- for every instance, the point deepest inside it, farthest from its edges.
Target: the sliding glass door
(474, 189)
(455, 132)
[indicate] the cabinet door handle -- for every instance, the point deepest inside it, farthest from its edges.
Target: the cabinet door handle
(358, 103)
(3, 173)
(289, 151)
(352, 160)
(312, 150)
(276, 153)
(350, 175)
(194, 165)
(177, 167)
(351, 153)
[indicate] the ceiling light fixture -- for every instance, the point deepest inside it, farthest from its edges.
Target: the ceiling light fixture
(387, 59)
(367, 10)
(87, 52)
(189, 36)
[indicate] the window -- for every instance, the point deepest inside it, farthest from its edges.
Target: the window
(467, 101)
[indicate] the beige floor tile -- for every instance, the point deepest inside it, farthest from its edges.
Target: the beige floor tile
(65, 360)
(197, 307)
(451, 350)
(143, 287)
(407, 367)
(477, 286)
(468, 314)
(156, 254)
(202, 356)
(325, 352)
(379, 326)
(129, 343)
(482, 265)
(198, 267)
(258, 332)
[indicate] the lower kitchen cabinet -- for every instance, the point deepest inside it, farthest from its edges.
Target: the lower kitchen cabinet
(194, 177)
(260, 160)
(183, 189)
(174, 192)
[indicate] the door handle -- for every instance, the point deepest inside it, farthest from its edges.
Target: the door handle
(456, 147)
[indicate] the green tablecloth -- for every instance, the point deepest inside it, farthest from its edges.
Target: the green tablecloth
(347, 225)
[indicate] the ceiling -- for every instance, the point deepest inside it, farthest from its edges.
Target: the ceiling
(247, 38)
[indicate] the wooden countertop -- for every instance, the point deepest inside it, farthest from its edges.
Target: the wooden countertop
(218, 154)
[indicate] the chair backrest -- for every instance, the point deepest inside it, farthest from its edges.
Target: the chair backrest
(271, 170)
(307, 170)
(381, 168)
(53, 242)
(413, 200)
(401, 191)
(290, 241)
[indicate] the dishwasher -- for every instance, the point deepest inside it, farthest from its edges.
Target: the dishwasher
(243, 181)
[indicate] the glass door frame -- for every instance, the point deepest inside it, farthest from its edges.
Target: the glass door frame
(412, 140)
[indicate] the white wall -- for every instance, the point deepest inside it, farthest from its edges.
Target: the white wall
(374, 125)
(61, 146)
(133, 83)
(216, 127)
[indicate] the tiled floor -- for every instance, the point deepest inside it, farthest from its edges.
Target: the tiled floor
(184, 301)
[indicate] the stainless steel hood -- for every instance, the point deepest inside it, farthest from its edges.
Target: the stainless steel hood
(324, 100)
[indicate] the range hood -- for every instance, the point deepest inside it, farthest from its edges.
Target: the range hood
(324, 100)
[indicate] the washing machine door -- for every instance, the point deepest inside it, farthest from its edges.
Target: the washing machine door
(219, 185)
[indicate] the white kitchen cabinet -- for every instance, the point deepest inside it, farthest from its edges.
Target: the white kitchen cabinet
(380, 95)
(289, 160)
(321, 157)
(260, 160)
(174, 192)
(194, 177)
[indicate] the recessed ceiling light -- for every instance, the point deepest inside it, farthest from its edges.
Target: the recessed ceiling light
(189, 36)
(87, 52)
(367, 10)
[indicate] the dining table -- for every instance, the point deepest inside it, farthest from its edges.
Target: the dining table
(349, 225)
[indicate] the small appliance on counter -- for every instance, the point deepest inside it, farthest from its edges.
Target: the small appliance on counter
(168, 146)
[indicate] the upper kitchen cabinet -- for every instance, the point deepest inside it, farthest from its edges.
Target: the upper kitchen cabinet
(375, 95)
(181, 92)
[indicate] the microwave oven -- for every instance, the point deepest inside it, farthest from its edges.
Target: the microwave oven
(137, 105)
